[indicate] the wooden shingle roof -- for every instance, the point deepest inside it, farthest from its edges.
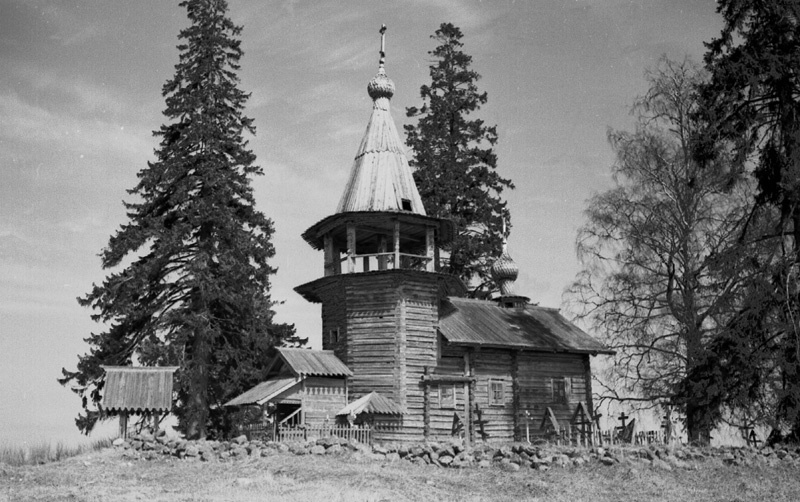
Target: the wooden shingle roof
(482, 323)
(306, 362)
(137, 389)
(263, 392)
(372, 403)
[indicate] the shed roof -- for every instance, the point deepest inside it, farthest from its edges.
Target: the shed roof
(372, 403)
(307, 362)
(263, 392)
(130, 388)
(484, 323)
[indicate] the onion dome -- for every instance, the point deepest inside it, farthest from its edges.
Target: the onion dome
(505, 272)
(380, 86)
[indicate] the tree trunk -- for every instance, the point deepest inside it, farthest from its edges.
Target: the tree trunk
(197, 407)
(698, 423)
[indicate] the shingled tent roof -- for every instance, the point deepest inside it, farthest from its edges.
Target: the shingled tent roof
(483, 323)
(138, 389)
(380, 179)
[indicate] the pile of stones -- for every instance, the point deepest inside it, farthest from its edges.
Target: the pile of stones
(511, 457)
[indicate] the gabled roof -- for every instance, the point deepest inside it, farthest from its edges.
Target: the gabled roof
(263, 392)
(306, 362)
(483, 323)
(380, 179)
(372, 403)
(129, 388)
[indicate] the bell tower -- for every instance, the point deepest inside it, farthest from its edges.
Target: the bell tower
(381, 285)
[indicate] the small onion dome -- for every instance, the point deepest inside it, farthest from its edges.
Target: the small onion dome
(505, 272)
(380, 86)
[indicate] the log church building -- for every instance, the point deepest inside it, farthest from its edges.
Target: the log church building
(403, 348)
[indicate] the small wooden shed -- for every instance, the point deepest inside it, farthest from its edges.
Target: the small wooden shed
(137, 390)
(303, 386)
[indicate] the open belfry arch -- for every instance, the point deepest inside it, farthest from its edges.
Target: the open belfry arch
(451, 365)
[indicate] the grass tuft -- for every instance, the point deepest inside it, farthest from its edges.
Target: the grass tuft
(44, 452)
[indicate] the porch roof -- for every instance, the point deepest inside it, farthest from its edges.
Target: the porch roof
(373, 403)
(263, 392)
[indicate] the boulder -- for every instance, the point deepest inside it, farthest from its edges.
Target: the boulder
(445, 459)
(509, 467)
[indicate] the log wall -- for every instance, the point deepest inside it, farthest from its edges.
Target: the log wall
(537, 374)
(387, 331)
(322, 399)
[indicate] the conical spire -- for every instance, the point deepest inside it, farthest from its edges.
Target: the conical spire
(380, 179)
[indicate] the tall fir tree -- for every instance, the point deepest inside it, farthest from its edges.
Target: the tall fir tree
(455, 163)
(752, 104)
(196, 293)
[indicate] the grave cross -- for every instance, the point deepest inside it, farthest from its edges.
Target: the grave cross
(622, 418)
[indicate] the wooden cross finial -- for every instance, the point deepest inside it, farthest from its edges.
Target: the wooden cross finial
(383, 44)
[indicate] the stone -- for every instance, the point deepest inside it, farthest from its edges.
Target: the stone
(393, 457)
(118, 442)
(510, 467)
(191, 451)
(445, 459)
(660, 464)
(538, 463)
(317, 450)
(484, 464)
(607, 461)
(334, 450)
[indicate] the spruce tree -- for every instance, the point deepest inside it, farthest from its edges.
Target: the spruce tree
(196, 291)
(455, 163)
(752, 106)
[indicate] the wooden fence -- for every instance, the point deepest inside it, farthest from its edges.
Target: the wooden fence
(268, 432)
(570, 436)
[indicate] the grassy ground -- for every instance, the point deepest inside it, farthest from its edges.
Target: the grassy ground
(44, 452)
(109, 476)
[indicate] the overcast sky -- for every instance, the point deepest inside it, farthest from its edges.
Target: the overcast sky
(80, 94)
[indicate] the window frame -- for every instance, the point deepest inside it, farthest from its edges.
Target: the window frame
(333, 336)
(447, 402)
(493, 401)
(560, 398)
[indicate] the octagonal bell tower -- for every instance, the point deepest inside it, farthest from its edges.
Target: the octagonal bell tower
(381, 287)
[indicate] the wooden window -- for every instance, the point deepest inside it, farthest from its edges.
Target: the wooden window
(333, 336)
(496, 393)
(560, 387)
(447, 396)
(406, 204)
